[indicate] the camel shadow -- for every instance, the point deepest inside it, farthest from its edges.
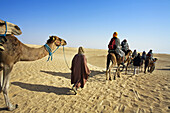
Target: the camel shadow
(44, 88)
(164, 69)
(66, 75)
(4, 109)
(93, 73)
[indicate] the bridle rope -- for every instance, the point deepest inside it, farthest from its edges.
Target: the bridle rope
(50, 51)
(5, 30)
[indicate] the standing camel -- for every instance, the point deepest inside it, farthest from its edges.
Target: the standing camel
(116, 60)
(16, 51)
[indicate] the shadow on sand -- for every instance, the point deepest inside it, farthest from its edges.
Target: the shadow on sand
(66, 75)
(164, 69)
(4, 109)
(44, 88)
(93, 73)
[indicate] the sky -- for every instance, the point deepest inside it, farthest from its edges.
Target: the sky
(91, 23)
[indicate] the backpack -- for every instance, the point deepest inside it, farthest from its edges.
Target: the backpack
(111, 44)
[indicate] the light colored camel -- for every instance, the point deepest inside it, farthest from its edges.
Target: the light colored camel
(16, 51)
(116, 61)
(11, 28)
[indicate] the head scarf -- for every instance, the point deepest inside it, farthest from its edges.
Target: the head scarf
(115, 34)
(80, 50)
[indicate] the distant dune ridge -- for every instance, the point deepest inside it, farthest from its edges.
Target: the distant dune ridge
(45, 87)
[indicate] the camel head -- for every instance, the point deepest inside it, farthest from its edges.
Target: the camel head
(56, 40)
(155, 59)
(11, 28)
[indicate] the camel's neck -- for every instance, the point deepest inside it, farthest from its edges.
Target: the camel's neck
(31, 54)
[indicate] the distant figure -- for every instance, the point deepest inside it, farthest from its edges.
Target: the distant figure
(115, 47)
(144, 55)
(79, 70)
(150, 54)
(136, 63)
(134, 54)
(125, 46)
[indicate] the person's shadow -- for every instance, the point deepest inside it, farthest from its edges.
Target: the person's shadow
(44, 88)
(66, 75)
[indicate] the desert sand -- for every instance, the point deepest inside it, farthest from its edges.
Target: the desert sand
(44, 87)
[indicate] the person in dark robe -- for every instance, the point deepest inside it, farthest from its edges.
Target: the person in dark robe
(79, 70)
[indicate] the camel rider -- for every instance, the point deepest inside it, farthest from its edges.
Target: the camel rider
(134, 54)
(114, 46)
(125, 46)
(144, 55)
(150, 55)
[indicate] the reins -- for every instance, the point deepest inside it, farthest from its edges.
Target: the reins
(65, 58)
(50, 51)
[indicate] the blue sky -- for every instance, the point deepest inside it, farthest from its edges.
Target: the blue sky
(91, 23)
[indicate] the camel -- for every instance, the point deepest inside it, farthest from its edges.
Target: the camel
(9, 28)
(116, 61)
(150, 64)
(128, 60)
(16, 51)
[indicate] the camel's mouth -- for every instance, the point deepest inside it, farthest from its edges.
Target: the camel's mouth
(13, 29)
(60, 42)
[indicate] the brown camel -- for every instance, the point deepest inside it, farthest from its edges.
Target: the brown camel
(16, 51)
(150, 64)
(11, 28)
(116, 61)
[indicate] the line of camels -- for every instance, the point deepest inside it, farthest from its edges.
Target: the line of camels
(16, 51)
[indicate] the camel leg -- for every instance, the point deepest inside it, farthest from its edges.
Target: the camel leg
(5, 86)
(107, 65)
(123, 68)
(145, 69)
(118, 71)
(115, 75)
(1, 80)
(127, 68)
(110, 76)
(106, 74)
(1, 76)
(148, 69)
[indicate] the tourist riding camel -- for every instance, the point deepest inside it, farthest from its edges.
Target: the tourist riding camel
(115, 47)
(144, 55)
(116, 55)
(125, 46)
(134, 54)
(150, 54)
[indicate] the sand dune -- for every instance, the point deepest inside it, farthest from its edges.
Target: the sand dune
(44, 87)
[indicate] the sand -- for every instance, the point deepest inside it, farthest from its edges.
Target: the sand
(44, 87)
